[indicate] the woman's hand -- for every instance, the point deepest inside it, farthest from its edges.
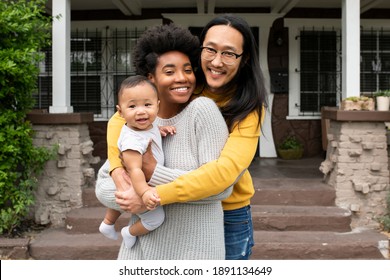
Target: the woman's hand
(148, 162)
(129, 201)
(126, 197)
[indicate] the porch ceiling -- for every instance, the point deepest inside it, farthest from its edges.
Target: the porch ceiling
(134, 7)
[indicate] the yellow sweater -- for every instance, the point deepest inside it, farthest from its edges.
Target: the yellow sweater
(114, 127)
(213, 177)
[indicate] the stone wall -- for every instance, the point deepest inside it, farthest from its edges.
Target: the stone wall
(357, 166)
(63, 179)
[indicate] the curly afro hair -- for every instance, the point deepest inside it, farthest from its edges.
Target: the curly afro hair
(160, 39)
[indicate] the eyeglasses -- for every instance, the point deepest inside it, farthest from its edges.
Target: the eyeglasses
(229, 58)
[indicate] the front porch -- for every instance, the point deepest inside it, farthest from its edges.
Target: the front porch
(293, 212)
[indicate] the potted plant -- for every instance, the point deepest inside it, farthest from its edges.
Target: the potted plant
(382, 100)
(290, 148)
(358, 103)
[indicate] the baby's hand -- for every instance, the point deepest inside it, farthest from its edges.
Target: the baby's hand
(151, 199)
(165, 130)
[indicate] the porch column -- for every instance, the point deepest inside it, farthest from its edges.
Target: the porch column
(356, 163)
(266, 144)
(61, 57)
(351, 48)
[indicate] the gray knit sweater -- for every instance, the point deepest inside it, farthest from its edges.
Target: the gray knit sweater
(192, 230)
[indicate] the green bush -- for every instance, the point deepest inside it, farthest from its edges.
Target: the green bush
(290, 142)
(24, 30)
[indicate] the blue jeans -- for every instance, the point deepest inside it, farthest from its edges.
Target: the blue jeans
(238, 233)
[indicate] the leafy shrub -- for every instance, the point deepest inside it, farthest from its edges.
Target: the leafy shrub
(24, 30)
(290, 143)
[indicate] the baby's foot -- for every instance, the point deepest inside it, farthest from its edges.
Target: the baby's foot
(128, 238)
(108, 231)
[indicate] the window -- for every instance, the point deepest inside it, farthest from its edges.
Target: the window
(315, 63)
(86, 65)
(319, 64)
(123, 45)
(43, 98)
(99, 61)
(375, 61)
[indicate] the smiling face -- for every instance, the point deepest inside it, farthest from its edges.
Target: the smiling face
(138, 106)
(175, 81)
(221, 38)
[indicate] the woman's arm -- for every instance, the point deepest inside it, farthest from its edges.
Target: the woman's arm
(208, 138)
(214, 177)
(126, 196)
(114, 127)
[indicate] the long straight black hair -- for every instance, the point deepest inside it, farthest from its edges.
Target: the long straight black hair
(250, 94)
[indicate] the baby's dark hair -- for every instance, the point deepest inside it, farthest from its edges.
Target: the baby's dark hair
(161, 39)
(134, 81)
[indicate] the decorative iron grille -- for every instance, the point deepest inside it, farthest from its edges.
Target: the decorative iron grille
(320, 70)
(100, 60)
(374, 61)
(321, 64)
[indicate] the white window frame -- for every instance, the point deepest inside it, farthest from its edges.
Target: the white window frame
(295, 26)
(376, 31)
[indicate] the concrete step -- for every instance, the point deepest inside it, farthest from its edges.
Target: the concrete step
(309, 245)
(88, 219)
(56, 244)
(265, 217)
(290, 191)
(300, 218)
(89, 198)
(270, 245)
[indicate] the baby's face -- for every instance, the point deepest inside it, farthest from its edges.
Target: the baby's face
(139, 106)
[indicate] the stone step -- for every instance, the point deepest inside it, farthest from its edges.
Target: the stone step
(265, 217)
(88, 219)
(306, 245)
(290, 191)
(270, 245)
(300, 218)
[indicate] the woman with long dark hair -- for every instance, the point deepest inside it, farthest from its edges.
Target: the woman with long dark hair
(230, 74)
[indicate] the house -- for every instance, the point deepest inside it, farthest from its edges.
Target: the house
(313, 53)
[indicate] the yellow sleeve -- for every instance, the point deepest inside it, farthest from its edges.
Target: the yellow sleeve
(215, 176)
(114, 127)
